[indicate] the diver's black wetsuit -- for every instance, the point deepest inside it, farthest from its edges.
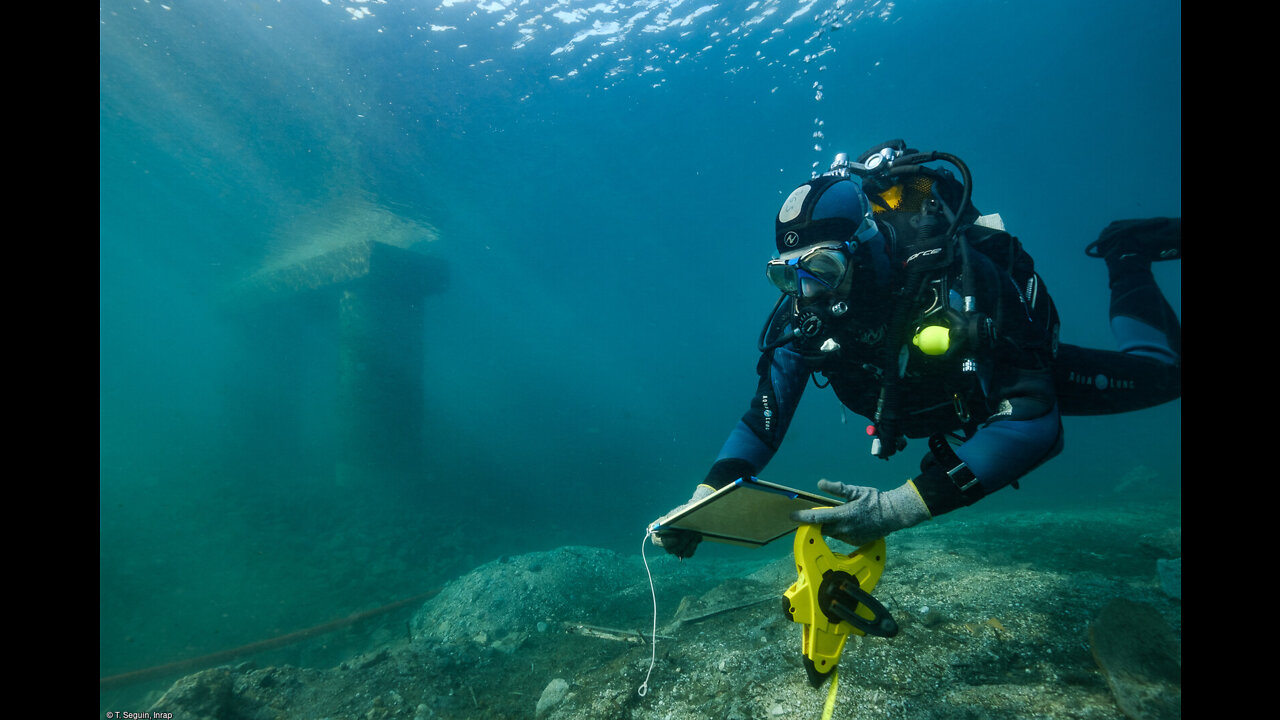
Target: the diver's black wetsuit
(1147, 371)
(1009, 409)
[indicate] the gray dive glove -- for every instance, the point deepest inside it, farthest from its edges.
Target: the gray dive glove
(682, 543)
(868, 515)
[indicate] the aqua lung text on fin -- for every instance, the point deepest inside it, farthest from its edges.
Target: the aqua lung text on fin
(1102, 382)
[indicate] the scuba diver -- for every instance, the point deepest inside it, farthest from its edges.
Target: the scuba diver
(927, 318)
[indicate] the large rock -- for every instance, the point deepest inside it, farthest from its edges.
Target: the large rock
(1140, 658)
(1170, 574)
(1165, 543)
(207, 695)
(500, 602)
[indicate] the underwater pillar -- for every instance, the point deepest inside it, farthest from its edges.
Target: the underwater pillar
(381, 382)
(368, 298)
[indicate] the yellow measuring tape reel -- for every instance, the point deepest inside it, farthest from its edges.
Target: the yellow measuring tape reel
(832, 598)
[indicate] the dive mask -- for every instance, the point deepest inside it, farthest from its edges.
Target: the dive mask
(805, 273)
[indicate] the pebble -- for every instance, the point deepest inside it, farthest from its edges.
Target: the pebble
(551, 696)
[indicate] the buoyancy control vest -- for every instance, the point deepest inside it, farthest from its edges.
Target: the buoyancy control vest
(945, 257)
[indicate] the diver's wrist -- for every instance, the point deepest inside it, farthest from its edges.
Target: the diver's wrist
(941, 492)
(726, 470)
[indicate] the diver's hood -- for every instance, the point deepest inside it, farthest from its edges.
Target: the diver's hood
(825, 210)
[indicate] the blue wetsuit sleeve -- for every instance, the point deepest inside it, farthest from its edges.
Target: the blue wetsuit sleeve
(1004, 451)
(757, 436)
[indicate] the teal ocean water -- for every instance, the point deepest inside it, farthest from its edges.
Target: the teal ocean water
(600, 181)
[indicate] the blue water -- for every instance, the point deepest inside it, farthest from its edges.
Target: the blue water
(601, 179)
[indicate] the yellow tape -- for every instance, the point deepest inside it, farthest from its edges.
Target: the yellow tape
(830, 706)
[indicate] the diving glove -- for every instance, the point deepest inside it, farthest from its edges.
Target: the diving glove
(682, 543)
(868, 515)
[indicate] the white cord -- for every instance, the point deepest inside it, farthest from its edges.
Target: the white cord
(653, 638)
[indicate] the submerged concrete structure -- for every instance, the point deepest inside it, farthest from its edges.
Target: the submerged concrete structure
(367, 299)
